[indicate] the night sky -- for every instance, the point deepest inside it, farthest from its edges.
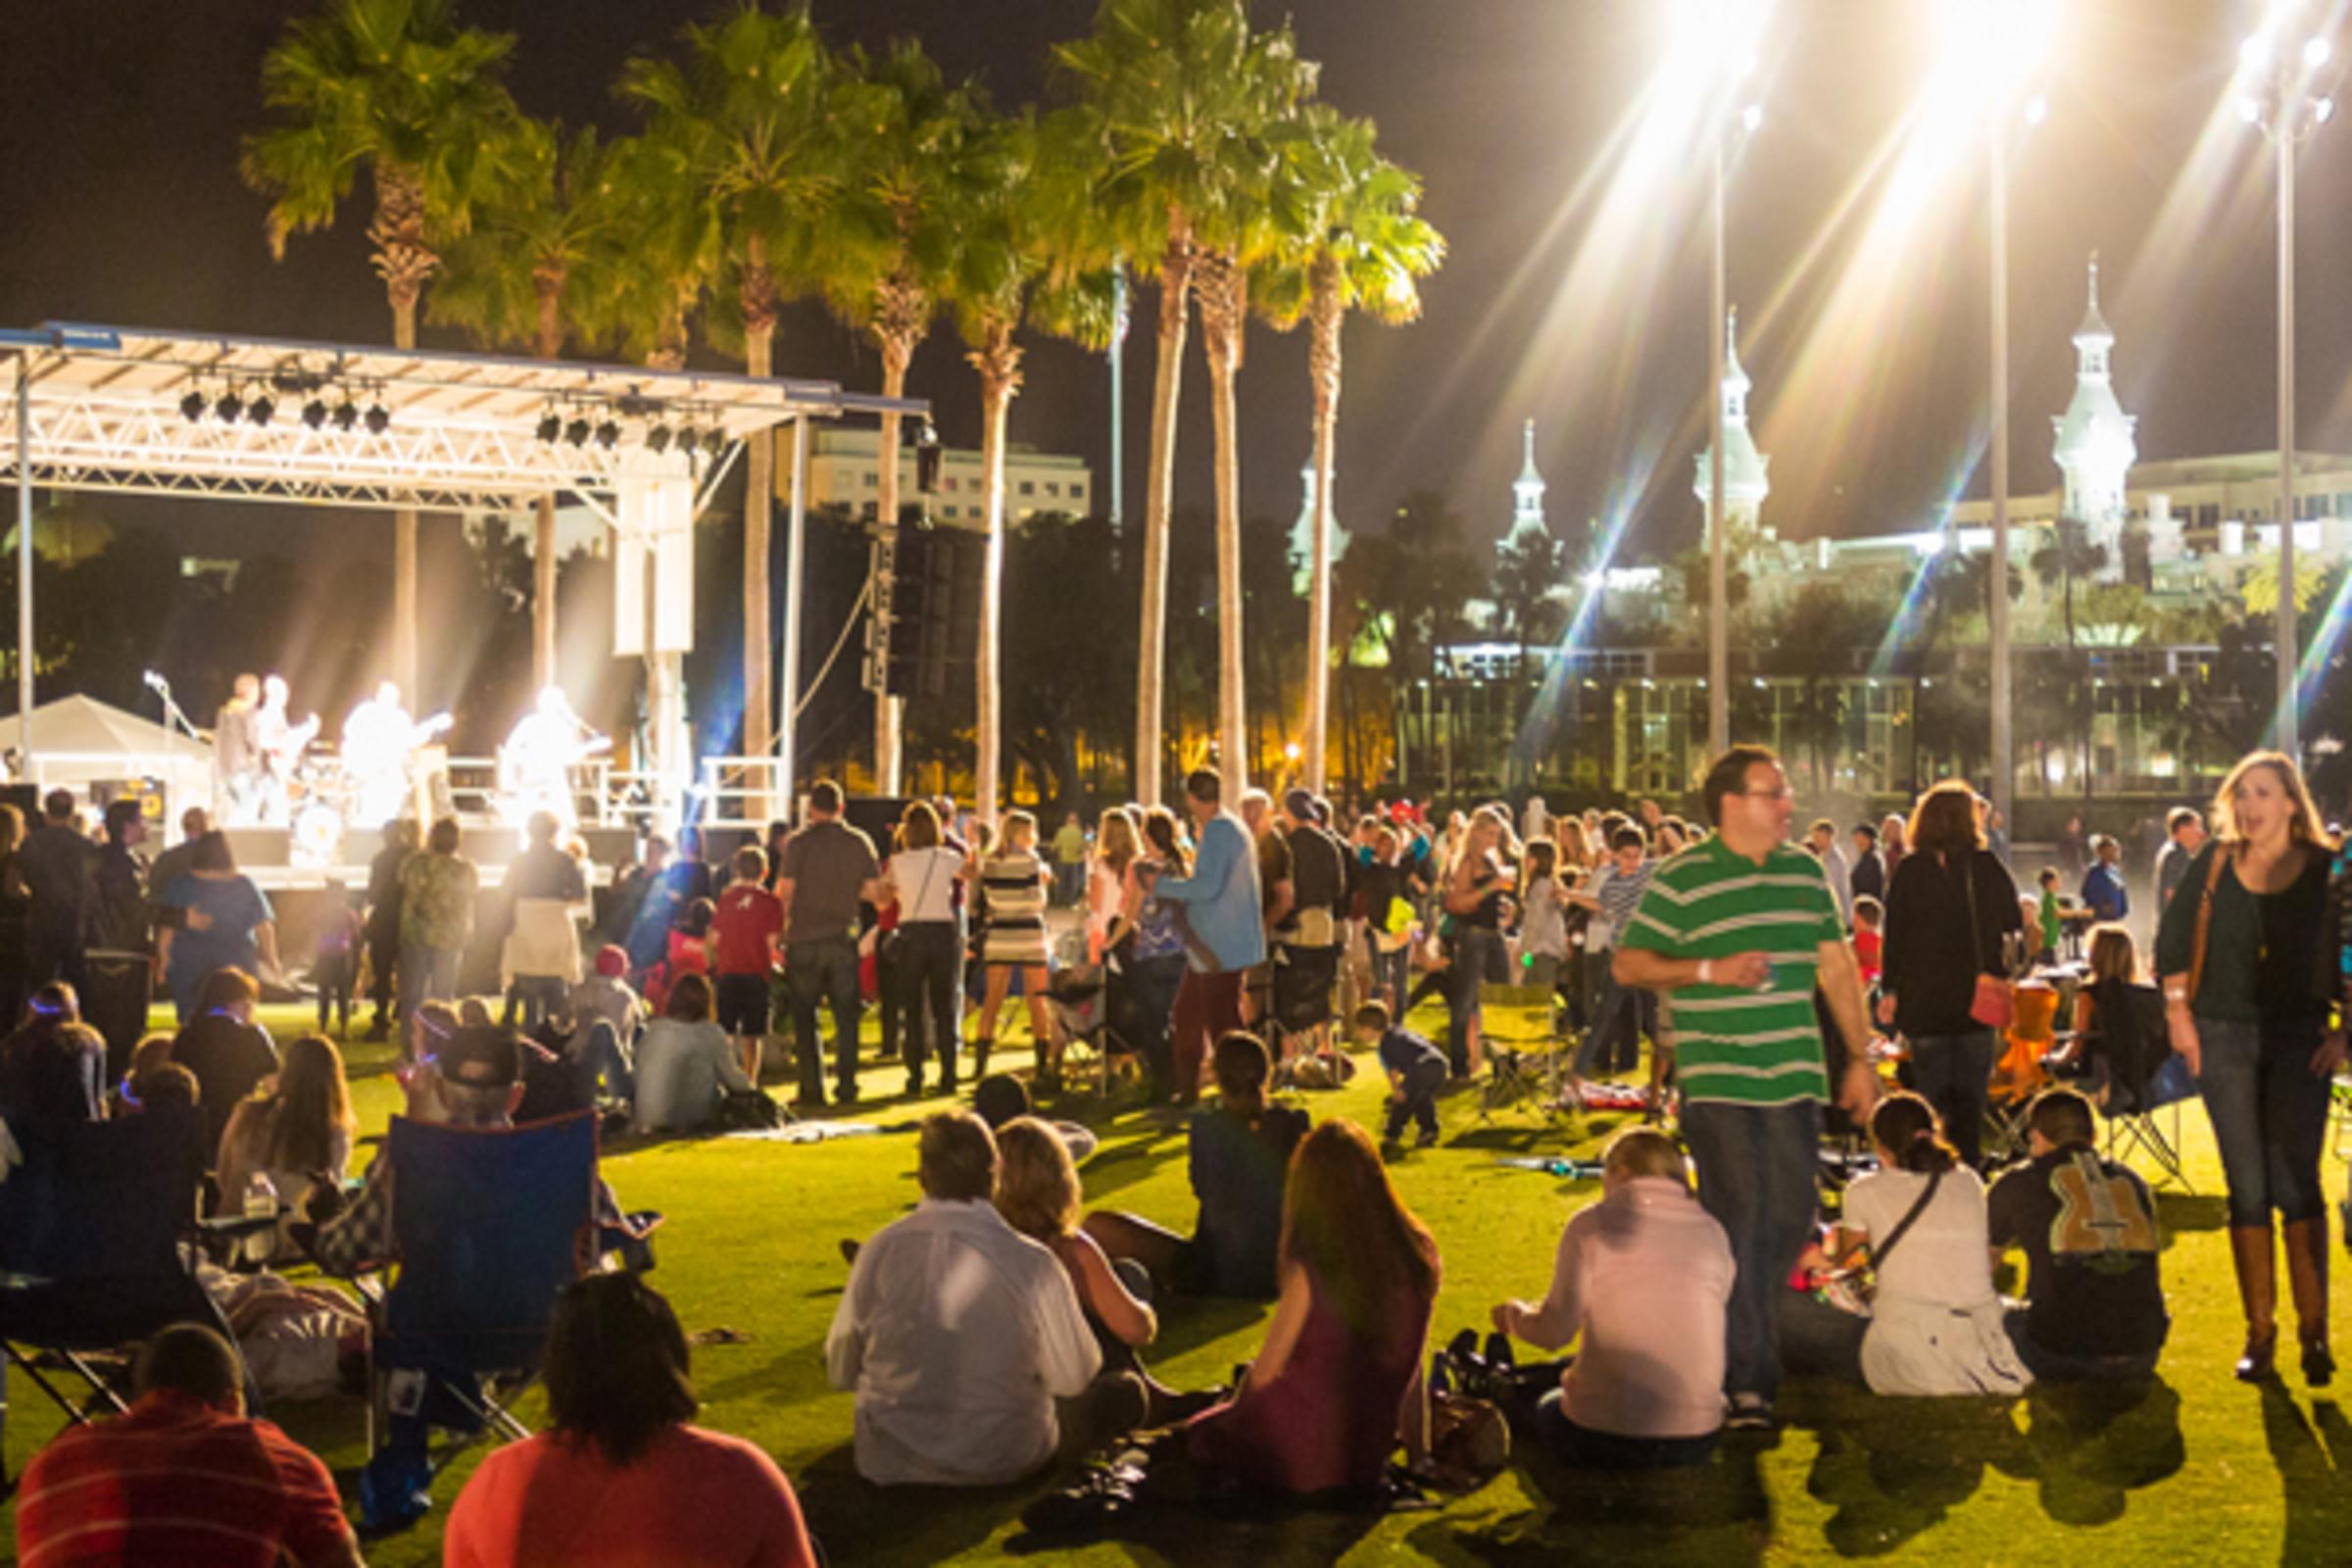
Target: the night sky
(118, 202)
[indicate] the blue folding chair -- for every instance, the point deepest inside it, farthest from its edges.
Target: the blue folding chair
(94, 1227)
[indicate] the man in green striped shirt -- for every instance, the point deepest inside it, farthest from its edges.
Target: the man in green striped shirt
(1741, 928)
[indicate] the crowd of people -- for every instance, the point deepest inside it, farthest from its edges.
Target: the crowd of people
(1002, 1327)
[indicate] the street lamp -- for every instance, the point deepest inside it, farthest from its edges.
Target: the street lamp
(1717, 39)
(1989, 50)
(2284, 93)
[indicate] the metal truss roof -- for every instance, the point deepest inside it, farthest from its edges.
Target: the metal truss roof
(462, 432)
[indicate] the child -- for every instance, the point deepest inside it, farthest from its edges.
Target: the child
(1416, 1071)
(2052, 924)
(604, 1014)
(1869, 941)
(335, 959)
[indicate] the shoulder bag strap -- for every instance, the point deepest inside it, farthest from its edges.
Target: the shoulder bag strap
(1902, 1227)
(1976, 927)
(2196, 946)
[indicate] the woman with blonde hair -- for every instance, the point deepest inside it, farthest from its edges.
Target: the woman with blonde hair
(1014, 878)
(1116, 844)
(1038, 1193)
(1339, 1378)
(297, 1132)
(2246, 1002)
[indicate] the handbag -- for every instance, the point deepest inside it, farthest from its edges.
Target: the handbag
(2196, 945)
(1995, 1004)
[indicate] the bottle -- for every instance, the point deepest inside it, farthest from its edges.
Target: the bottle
(261, 1203)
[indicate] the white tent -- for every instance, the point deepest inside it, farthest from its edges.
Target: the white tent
(78, 741)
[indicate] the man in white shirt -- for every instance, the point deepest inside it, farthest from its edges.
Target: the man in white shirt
(1822, 840)
(957, 1332)
(1643, 1278)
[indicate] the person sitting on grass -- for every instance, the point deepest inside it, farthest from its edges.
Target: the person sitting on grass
(224, 1048)
(297, 1132)
(1039, 1194)
(685, 1063)
(1339, 1377)
(1000, 1099)
(1643, 1278)
(1416, 1071)
(959, 1334)
(1239, 1151)
(605, 1018)
(54, 1065)
(2094, 1305)
(185, 1477)
(622, 1478)
(166, 1086)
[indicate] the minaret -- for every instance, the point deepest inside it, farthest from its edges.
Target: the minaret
(1527, 493)
(1745, 482)
(2095, 446)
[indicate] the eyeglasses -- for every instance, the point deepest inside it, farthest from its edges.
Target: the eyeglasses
(1783, 793)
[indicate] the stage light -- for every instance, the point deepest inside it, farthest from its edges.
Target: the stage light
(262, 410)
(714, 440)
(687, 437)
(229, 408)
(192, 406)
(379, 418)
(2315, 53)
(577, 432)
(346, 415)
(2323, 110)
(314, 414)
(607, 435)
(551, 426)
(657, 438)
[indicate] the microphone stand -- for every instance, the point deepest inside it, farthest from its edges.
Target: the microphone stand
(172, 709)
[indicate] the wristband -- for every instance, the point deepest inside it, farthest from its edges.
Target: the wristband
(1706, 971)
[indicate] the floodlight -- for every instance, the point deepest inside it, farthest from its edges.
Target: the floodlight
(2037, 110)
(1752, 117)
(607, 435)
(229, 408)
(346, 415)
(377, 419)
(314, 414)
(2255, 52)
(2315, 53)
(657, 438)
(192, 406)
(261, 410)
(2323, 111)
(551, 426)
(2249, 109)
(577, 432)
(686, 438)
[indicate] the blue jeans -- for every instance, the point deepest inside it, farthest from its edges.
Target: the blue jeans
(1953, 1072)
(2269, 1116)
(1621, 1014)
(1756, 1175)
(1475, 948)
(1420, 1102)
(1151, 987)
(824, 970)
(603, 1058)
(426, 974)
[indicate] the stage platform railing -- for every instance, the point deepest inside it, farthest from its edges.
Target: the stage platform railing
(740, 790)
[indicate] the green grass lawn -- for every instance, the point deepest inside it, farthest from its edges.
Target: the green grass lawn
(2198, 1470)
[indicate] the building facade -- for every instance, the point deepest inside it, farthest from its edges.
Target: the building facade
(845, 472)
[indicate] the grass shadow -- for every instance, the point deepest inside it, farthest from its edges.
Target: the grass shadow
(2312, 1453)
(1894, 1468)
(856, 1521)
(1712, 1514)
(2089, 1445)
(1128, 1159)
(1186, 1324)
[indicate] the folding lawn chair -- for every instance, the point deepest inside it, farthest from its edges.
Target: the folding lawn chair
(2143, 1075)
(1078, 1000)
(490, 1224)
(1516, 1023)
(2020, 1073)
(95, 1233)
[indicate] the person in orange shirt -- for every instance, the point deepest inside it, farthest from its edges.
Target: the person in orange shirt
(1870, 941)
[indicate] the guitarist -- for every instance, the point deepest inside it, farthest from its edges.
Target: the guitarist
(378, 740)
(279, 744)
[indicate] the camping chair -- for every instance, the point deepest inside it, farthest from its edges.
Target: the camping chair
(1078, 1000)
(2127, 1046)
(92, 1224)
(477, 1280)
(2020, 1074)
(1516, 1023)
(1303, 981)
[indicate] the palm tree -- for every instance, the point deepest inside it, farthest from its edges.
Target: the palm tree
(1170, 92)
(516, 278)
(890, 245)
(1363, 247)
(745, 124)
(1008, 265)
(397, 88)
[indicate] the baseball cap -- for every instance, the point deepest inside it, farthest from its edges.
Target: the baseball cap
(481, 1056)
(611, 961)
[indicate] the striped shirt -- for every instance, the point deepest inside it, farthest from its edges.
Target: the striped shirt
(1737, 1046)
(176, 1481)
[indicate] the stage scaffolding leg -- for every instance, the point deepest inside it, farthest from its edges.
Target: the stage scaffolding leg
(24, 565)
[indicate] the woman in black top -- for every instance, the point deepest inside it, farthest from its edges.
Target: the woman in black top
(2252, 1021)
(1951, 915)
(1475, 892)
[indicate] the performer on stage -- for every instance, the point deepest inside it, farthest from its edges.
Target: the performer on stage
(280, 744)
(378, 740)
(237, 756)
(535, 764)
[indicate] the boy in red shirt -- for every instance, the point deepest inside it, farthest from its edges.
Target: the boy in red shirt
(1870, 941)
(744, 954)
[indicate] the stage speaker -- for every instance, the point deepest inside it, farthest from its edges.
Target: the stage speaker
(260, 845)
(609, 846)
(721, 840)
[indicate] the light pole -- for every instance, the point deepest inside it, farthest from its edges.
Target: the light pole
(2284, 99)
(2004, 738)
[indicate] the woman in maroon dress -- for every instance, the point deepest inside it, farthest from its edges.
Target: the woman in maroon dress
(1340, 1375)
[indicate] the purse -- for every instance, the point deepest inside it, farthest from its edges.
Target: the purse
(1995, 1004)
(2196, 945)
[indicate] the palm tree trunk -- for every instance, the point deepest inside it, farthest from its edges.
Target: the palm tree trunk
(404, 539)
(404, 260)
(758, 655)
(998, 365)
(1323, 372)
(1175, 301)
(1223, 300)
(890, 712)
